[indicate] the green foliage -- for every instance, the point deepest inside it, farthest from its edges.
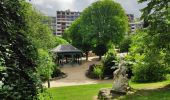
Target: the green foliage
(59, 41)
(125, 44)
(104, 22)
(38, 32)
(148, 64)
(100, 50)
(148, 72)
(150, 49)
(18, 55)
(46, 65)
(109, 63)
(95, 71)
(98, 71)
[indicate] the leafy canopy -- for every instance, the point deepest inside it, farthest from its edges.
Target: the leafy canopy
(102, 23)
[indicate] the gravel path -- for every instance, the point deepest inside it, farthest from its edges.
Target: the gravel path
(76, 75)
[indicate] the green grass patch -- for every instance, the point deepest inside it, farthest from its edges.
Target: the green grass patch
(149, 85)
(152, 94)
(81, 92)
(143, 91)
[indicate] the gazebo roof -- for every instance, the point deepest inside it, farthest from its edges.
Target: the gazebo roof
(65, 48)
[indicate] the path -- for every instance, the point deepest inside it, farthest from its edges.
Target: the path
(76, 75)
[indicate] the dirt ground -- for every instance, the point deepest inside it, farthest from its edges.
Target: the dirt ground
(76, 74)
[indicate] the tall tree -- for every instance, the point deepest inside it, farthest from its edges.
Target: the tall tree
(18, 55)
(150, 49)
(157, 15)
(102, 23)
(78, 36)
(38, 30)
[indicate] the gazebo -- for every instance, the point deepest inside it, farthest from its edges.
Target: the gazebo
(67, 54)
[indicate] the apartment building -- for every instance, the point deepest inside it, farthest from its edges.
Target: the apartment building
(136, 25)
(64, 20)
(133, 25)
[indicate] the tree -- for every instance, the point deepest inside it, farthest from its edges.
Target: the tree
(38, 31)
(147, 66)
(59, 41)
(154, 55)
(103, 22)
(78, 37)
(157, 15)
(18, 55)
(100, 50)
(45, 69)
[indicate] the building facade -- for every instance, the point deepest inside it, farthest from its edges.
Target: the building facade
(136, 25)
(64, 20)
(133, 25)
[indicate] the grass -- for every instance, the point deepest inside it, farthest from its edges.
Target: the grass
(149, 91)
(81, 92)
(143, 91)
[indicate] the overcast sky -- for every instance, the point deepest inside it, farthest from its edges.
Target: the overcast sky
(49, 7)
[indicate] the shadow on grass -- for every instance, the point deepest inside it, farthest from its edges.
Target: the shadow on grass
(148, 94)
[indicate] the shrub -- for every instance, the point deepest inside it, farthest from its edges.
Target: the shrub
(109, 64)
(57, 72)
(95, 71)
(98, 71)
(125, 44)
(149, 68)
(148, 72)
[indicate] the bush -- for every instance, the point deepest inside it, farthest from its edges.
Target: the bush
(57, 73)
(149, 67)
(98, 71)
(109, 64)
(149, 64)
(148, 73)
(95, 71)
(125, 44)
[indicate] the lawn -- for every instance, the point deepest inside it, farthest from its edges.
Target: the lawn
(81, 92)
(144, 91)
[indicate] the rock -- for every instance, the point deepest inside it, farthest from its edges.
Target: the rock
(104, 94)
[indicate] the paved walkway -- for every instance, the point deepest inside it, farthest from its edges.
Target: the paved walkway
(76, 75)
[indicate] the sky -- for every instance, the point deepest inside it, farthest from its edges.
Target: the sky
(49, 7)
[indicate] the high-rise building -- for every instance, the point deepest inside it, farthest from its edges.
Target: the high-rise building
(64, 20)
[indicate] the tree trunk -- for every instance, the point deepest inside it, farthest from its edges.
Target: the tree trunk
(48, 83)
(87, 54)
(100, 57)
